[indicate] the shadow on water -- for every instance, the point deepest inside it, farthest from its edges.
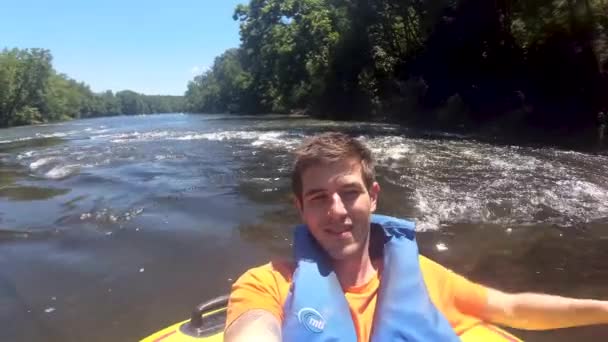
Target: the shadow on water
(563, 261)
(585, 141)
(536, 258)
(271, 192)
(272, 231)
(73, 203)
(30, 193)
(16, 146)
(14, 310)
(9, 175)
(7, 235)
(240, 117)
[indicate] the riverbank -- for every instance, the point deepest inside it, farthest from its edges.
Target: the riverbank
(33, 92)
(508, 130)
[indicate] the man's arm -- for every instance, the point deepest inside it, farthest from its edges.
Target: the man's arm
(533, 311)
(255, 307)
(255, 325)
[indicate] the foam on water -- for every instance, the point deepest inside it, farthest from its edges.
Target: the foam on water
(40, 135)
(62, 171)
(140, 137)
(444, 181)
(111, 216)
(258, 138)
(277, 139)
(41, 162)
(59, 163)
(27, 154)
(91, 130)
(457, 181)
(54, 135)
(389, 148)
(460, 181)
(16, 140)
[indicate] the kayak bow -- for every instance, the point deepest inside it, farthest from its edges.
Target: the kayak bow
(206, 324)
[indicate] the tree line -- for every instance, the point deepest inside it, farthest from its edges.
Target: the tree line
(452, 62)
(32, 91)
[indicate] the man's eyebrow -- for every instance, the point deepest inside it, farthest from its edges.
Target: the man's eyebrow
(351, 185)
(313, 192)
(343, 186)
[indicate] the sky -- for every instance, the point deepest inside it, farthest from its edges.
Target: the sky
(151, 47)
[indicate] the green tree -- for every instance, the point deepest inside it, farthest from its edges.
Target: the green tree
(343, 58)
(24, 78)
(226, 87)
(31, 91)
(131, 102)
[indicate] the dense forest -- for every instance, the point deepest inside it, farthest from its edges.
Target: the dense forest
(31, 91)
(534, 63)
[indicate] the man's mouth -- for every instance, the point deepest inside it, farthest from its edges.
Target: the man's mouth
(342, 231)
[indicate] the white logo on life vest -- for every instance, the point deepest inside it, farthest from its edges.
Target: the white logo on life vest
(312, 320)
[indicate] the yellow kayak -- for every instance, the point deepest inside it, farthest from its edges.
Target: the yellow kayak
(207, 325)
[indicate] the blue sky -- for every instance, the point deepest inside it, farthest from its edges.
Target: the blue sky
(152, 47)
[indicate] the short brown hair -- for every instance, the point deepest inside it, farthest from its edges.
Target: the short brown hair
(328, 148)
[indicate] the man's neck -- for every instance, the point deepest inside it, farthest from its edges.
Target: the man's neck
(355, 271)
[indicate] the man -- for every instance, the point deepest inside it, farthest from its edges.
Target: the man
(358, 276)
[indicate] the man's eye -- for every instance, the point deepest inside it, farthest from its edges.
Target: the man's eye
(351, 193)
(318, 198)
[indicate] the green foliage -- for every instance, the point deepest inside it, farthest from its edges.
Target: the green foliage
(23, 80)
(63, 98)
(224, 88)
(26, 115)
(547, 60)
(31, 91)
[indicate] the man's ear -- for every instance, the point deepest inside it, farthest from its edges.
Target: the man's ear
(374, 192)
(298, 204)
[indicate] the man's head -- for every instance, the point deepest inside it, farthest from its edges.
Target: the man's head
(334, 183)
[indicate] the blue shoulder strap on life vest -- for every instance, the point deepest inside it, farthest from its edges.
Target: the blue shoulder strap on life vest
(316, 309)
(404, 311)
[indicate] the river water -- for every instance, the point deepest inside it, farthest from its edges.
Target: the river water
(113, 228)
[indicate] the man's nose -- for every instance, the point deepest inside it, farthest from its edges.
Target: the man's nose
(337, 208)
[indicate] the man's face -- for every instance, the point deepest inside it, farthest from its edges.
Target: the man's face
(337, 206)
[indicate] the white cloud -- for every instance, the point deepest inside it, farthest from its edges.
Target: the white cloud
(196, 70)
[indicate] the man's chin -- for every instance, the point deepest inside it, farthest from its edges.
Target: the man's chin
(344, 253)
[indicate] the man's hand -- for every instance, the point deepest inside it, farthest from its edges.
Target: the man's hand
(532, 311)
(255, 326)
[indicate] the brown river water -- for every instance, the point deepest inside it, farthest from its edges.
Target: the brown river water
(113, 228)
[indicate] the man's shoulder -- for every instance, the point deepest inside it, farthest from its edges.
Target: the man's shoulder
(277, 270)
(434, 272)
(264, 287)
